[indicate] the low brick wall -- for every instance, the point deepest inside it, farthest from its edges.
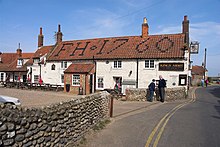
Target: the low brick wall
(141, 94)
(55, 125)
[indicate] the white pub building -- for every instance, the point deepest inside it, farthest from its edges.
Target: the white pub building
(97, 64)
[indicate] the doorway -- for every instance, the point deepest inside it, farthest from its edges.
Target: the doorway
(117, 83)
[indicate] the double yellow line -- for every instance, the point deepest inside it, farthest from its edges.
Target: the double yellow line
(160, 128)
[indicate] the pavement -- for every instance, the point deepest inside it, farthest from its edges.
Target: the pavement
(121, 108)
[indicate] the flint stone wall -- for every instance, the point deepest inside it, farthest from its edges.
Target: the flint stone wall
(55, 125)
(141, 94)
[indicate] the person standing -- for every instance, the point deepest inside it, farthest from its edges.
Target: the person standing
(206, 82)
(161, 87)
(151, 88)
(202, 82)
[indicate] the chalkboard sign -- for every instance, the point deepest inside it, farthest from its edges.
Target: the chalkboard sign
(171, 66)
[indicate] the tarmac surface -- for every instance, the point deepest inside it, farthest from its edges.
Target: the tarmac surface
(124, 112)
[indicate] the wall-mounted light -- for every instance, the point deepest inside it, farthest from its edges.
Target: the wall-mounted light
(130, 72)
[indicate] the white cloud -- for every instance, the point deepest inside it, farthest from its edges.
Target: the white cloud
(103, 23)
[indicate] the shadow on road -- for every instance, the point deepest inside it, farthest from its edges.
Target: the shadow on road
(217, 108)
(215, 91)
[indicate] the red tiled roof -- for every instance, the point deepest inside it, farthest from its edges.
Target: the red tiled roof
(79, 68)
(42, 51)
(7, 58)
(27, 55)
(198, 70)
(9, 62)
(39, 53)
(154, 46)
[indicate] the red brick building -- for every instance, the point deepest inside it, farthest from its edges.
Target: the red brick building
(79, 78)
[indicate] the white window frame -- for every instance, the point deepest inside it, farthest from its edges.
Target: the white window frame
(36, 60)
(117, 64)
(20, 62)
(101, 82)
(149, 64)
(64, 64)
(75, 80)
(62, 78)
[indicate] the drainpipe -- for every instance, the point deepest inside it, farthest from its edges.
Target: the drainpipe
(137, 74)
(85, 82)
(94, 79)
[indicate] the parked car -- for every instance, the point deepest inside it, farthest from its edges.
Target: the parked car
(9, 100)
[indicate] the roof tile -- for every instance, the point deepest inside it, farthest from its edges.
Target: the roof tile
(155, 46)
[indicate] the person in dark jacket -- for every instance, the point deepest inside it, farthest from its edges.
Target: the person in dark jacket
(151, 88)
(161, 87)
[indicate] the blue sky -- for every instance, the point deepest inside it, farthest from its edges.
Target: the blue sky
(20, 21)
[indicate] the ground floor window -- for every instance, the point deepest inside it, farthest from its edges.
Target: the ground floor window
(36, 78)
(76, 80)
(62, 78)
(100, 82)
(2, 77)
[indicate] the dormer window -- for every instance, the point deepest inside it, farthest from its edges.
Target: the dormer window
(20, 62)
(36, 60)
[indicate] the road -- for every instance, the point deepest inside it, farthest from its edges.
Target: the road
(191, 123)
(196, 124)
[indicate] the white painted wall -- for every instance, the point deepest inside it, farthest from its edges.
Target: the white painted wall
(54, 76)
(107, 71)
(146, 75)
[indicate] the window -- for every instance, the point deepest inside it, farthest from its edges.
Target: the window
(117, 64)
(100, 82)
(20, 62)
(64, 64)
(53, 67)
(76, 80)
(62, 78)
(36, 60)
(36, 78)
(182, 80)
(2, 77)
(149, 64)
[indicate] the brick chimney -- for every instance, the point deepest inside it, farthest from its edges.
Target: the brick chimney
(145, 28)
(185, 29)
(19, 51)
(40, 38)
(59, 35)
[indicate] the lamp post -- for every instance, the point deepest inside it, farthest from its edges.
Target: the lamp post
(204, 64)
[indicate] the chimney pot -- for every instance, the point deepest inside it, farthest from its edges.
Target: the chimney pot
(145, 20)
(185, 18)
(58, 27)
(41, 31)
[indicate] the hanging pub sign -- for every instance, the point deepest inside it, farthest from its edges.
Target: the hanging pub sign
(194, 47)
(171, 66)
